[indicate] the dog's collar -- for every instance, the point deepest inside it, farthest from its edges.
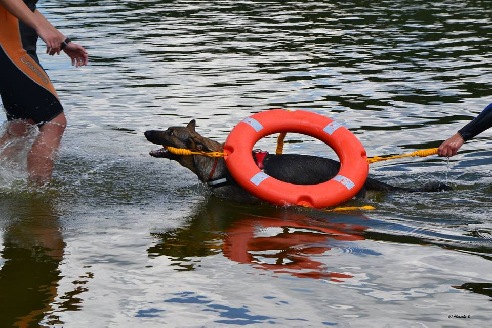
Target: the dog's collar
(212, 172)
(259, 157)
(221, 182)
(218, 182)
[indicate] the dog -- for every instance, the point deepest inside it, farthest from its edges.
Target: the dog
(293, 168)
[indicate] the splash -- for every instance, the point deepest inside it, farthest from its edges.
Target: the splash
(13, 159)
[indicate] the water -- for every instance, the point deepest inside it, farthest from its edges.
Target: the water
(121, 239)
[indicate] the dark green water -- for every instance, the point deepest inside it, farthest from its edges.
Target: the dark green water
(125, 240)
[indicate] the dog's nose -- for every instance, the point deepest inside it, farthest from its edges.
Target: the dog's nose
(147, 134)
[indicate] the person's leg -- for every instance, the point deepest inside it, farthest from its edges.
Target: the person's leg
(15, 129)
(28, 94)
(40, 160)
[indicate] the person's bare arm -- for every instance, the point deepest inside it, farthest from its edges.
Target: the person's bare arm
(48, 25)
(50, 35)
(78, 55)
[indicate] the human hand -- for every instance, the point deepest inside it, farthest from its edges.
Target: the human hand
(52, 37)
(77, 54)
(451, 146)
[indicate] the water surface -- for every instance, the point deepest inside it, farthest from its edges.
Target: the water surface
(122, 239)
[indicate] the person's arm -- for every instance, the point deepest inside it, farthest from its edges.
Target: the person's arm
(50, 35)
(479, 124)
(77, 53)
(50, 50)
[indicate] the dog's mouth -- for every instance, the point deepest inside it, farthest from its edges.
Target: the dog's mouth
(160, 153)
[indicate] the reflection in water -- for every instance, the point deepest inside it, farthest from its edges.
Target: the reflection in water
(287, 246)
(479, 288)
(277, 239)
(401, 74)
(33, 249)
(291, 241)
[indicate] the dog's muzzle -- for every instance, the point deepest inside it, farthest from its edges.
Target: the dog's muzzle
(160, 153)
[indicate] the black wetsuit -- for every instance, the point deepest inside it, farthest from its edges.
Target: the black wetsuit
(26, 90)
(479, 124)
(29, 36)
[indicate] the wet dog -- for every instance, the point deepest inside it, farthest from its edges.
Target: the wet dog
(293, 168)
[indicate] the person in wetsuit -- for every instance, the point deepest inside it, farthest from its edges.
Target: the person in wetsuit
(478, 125)
(27, 94)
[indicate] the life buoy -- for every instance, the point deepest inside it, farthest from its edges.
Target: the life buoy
(345, 185)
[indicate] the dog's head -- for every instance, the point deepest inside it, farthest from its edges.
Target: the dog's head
(183, 138)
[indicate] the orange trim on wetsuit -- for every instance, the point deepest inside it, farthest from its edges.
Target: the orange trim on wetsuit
(10, 41)
(26, 90)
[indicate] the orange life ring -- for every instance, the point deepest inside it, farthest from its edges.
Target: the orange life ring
(345, 185)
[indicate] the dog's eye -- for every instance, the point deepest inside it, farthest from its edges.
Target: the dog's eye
(171, 133)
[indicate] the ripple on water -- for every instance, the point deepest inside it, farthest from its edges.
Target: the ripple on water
(402, 75)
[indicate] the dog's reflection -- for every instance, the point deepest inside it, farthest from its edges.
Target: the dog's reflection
(283, 240)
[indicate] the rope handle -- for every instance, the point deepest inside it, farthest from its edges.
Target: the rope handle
(418, 153)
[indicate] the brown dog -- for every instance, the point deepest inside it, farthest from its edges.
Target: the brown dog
(293, 168)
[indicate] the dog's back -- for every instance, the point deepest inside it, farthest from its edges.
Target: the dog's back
(300, 169)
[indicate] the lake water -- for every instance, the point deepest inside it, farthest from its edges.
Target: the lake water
(121, 239)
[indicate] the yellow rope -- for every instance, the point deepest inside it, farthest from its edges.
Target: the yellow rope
(370, 160)
(419, 153)
(280, 143)
(346, 208)
(352, 208)
(180, 151)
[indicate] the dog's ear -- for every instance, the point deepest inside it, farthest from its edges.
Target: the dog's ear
(195, 144)
(191, 126)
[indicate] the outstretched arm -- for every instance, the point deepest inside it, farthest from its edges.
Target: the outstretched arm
(479, 124)
(50, 35)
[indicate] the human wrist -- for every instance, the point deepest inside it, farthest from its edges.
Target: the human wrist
(65, 43)
(464, 135)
